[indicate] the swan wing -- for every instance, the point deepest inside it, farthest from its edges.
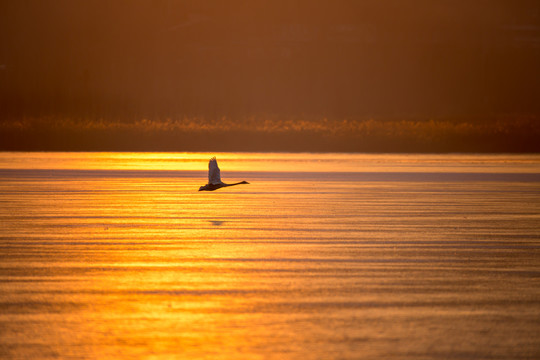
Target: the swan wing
(214, 175)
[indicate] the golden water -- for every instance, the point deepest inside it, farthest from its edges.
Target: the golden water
(116, 255)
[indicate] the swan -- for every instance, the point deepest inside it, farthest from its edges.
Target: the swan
(214, 178)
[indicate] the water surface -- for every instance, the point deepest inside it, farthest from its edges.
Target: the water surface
(321, 256)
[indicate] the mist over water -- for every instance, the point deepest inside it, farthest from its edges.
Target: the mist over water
(117, 255)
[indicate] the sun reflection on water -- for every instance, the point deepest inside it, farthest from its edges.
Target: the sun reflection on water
(125, 265)
(272, 162)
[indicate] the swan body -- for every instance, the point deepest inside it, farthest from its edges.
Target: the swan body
(214, 178)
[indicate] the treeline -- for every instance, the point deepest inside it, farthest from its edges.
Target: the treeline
(502, 134)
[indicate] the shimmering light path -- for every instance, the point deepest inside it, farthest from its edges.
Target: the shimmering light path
(416, 257)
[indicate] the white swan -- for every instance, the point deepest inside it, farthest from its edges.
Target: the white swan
(214, 178)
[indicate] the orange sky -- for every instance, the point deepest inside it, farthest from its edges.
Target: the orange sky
(128, 60)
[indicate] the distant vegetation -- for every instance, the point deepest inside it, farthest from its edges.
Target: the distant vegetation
(272, 133)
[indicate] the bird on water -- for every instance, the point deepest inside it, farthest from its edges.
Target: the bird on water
(214, 178)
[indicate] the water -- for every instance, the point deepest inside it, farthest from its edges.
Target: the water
(116, 255)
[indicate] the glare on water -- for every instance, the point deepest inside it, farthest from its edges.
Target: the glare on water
(321, 256)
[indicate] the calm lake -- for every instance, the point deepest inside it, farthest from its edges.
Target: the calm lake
(321, 256)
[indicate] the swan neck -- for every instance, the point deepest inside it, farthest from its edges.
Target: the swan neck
(238, 183)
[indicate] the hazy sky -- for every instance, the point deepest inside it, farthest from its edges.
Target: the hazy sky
(358, 57)
(133, 59)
